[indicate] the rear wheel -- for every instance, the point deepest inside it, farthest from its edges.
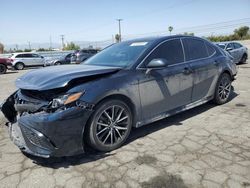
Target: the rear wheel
(3, 69)
(223, 89)
(19, 66)
(58, 63)
(244, 58)
(110, 125)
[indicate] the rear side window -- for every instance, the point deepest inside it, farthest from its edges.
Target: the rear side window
(194, 49)
(210, 49)
(230, 45)
(170, 50)
(237, 45)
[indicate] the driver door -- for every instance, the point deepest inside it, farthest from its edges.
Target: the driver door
(168, 88)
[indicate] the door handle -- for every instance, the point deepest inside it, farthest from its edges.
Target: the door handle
(187, 70)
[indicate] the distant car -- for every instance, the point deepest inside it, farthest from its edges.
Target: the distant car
(21, 60)
(236, 50)
(84, 54)
(64, 59)
(5, 64)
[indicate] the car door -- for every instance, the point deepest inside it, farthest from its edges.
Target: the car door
(239, 50)
(37, 59)
(169, 88)
(201, 54)
(232, 51)
(27, 59)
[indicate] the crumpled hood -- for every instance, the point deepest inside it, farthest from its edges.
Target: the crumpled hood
(59, 76)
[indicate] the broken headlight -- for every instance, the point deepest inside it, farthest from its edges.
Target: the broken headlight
(65, 99)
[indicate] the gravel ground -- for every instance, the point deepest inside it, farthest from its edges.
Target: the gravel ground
(208, 146)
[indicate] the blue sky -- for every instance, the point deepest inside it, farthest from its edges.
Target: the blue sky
(95, 20)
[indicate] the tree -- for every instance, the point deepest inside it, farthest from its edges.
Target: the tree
(170, 29)
(117, 38)
(242, 31)
(187, 33)
(71, 46)
(1, 48)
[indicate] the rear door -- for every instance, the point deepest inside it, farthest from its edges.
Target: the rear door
(36, 59)
(232, 51)
(169, 88)
(200, 54)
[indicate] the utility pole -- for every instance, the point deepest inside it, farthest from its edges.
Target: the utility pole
(120, 34)
(29, 45)
(50, 43)
(62, 38)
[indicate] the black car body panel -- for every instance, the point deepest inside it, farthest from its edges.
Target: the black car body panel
(151, 94)
(59, 76)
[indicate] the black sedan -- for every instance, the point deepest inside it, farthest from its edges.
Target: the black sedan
(57, 110)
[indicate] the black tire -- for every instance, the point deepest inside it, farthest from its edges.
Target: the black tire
(19, 66)
(223, 89)
(57, 63)
(109, 132)
(244, 58)
(3, 69)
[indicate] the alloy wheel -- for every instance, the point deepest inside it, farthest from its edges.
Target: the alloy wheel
(224, 88)
(112, 125)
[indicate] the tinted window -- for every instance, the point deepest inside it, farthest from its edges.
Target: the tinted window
(170, 50)
(210, 49)
(194, 49)
(35, 55)
(221, 46)
(19, 56)
(237, 45)
(230, 45)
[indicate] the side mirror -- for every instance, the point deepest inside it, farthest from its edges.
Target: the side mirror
(156, 64)
(229, 49)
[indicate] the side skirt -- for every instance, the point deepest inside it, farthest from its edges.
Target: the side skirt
(174, 111)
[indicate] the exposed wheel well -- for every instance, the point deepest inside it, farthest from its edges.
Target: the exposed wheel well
(229, 73)
(122, 98)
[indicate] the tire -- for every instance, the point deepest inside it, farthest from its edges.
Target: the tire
(19, 66)
(107, 132)
(57, 63)
(223, 89)
(244, 58)
(3, 69)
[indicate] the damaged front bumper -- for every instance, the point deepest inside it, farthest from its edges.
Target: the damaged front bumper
(46, 134)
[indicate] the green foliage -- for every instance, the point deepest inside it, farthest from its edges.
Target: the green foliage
(71, 46)
(241, 33)
(170, 29)
(27, 50)
(117, 38)
(187, 33)
(43, 50)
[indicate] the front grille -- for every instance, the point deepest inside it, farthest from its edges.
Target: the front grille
(36, 138)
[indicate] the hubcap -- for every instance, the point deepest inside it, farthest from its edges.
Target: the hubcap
(112, 125)
(224, 88)
(20, 66)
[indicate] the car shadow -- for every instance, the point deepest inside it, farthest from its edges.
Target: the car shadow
(11, 72)
(90, 155)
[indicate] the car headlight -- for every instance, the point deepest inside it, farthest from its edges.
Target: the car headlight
(65, 99)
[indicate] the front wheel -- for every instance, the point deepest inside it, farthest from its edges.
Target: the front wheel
(3, 69)
(19, 66)
(223, 89)
(110, 125)
(244, 59)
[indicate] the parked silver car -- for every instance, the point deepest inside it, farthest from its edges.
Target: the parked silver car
(236, 50)
(21, 60)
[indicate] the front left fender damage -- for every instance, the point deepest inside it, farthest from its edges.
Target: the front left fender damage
(43, 133)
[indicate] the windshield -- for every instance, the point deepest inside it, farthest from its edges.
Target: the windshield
(221, 46)
(119, 55)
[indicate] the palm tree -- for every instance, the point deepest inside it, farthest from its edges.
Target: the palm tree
(170, 29)
(1, 48)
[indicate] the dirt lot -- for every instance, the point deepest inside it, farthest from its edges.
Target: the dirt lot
(208, 146)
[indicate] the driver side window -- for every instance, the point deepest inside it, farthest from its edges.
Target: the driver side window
(170, 50)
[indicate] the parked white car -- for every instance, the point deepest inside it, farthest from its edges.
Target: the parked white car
(21, 60)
